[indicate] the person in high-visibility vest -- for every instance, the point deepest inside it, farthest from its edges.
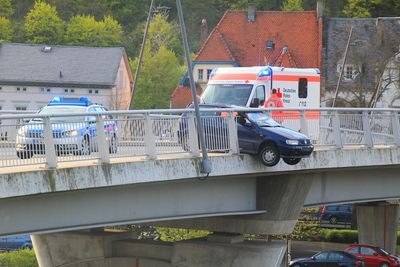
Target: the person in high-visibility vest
(274, 101)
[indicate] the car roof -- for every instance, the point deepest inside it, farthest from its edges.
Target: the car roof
(361, 245)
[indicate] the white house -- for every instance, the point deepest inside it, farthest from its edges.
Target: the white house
(31, 75)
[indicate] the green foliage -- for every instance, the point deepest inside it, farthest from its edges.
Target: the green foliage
(85, 30)
(22, 258)
(6, 30)
(159, 75)
(176, 234)
(163, 33)
(293, 5)
(339, 236)
(42, 24)
(6, 9)
(359, 8)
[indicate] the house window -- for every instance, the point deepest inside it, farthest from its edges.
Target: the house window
(303, 88)
(96, 91)
(65, 90)
(20, 108)
(18, 89)
(1, 88)
(208, 73)
(41, 89)
(24, 89)
(348, 72)
(90, 91)
(48, 90)
(72, 90)
(200, 74)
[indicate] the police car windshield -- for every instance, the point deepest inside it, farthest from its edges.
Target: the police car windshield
(52, 110)
(262, 119)
(230, 94)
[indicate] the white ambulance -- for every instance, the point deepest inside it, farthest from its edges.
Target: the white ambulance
(251, 86)
(254, 86)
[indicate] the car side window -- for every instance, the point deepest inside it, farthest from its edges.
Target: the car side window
(335, 256)
(321, 256)
(367, 251)
(260, 94)
(91, 117)
(353, 250)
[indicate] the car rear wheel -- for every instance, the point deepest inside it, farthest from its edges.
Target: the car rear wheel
(333, 220)
(84, 149)
(26, 154)
(291, 161)
(269, 155)
(297, 265)
(384, 264)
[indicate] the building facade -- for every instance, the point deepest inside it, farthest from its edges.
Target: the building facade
(31, 75)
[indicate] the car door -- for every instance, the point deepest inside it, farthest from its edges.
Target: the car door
(370, 256)
(336, 259)
(248, 137)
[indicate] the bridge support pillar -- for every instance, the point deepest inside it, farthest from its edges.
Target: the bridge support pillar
(377, 224)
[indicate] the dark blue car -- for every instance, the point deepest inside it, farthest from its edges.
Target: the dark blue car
(328, 258)
(15, 242)
(335, 214)
(258, 134)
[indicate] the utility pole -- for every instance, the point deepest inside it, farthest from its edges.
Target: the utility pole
(205, 164)
(141, 55)
(342, 68)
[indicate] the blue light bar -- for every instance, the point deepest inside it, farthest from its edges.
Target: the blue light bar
(70, 101)
(265, 72)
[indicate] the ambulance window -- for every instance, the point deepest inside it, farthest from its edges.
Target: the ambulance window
(303, 85)
(260, 94)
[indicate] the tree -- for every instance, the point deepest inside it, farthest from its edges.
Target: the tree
(42, 24)
(6, 30)
(85, 30)
(293, 5)
(159, 75)
(6, 9)
(357, 9)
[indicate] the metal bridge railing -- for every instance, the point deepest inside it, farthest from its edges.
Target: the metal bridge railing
(29, 139)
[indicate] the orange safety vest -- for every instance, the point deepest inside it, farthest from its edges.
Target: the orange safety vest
(273, 102)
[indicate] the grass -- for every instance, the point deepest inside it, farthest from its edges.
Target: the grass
(21, 258)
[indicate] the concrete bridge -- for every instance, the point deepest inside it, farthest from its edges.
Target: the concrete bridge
(356, 160)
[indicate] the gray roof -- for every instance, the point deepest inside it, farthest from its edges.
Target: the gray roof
(77, 66)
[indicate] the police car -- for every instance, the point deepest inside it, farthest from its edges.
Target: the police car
(71, 134)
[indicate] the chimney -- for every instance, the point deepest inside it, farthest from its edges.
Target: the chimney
(320, 9)
(251, 12)
(203, 31)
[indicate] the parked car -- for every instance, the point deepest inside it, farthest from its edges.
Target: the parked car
(15, 242)
(373, 256)
(258, 134)
(335, 214)
(329, 258)
(73, 134)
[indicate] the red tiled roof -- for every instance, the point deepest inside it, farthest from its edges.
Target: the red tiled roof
(235, 38)
(182, 96)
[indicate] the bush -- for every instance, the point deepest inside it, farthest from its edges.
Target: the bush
(340, 236)
(21, 258)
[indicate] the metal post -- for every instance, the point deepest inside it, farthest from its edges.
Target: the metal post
(233, 136)
(141, 55)
(303, 123)
(336, 130)
(101, 141)
(51, 158)
(367, 130)
(396, 128)
(149, 138)
(193, 140)
(205, 164)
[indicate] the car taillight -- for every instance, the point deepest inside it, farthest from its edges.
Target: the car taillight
(359, 263)
(323, 209)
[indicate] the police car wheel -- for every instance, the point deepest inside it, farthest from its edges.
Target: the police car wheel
(291, 161)
(269, 155)
(84, 148)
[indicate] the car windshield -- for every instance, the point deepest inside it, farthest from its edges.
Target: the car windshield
(230, 94)
(53, 110)
(262, 119)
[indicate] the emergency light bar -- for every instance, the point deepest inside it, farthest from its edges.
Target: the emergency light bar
(70, 101)
(265, 72)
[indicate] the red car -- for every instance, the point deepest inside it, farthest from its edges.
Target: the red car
(373, 256)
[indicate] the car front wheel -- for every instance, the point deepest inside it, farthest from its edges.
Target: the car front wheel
(333, 220)
(84, 148)
(269, 155)
(385, 264)
(113, 145)
(291, 161)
